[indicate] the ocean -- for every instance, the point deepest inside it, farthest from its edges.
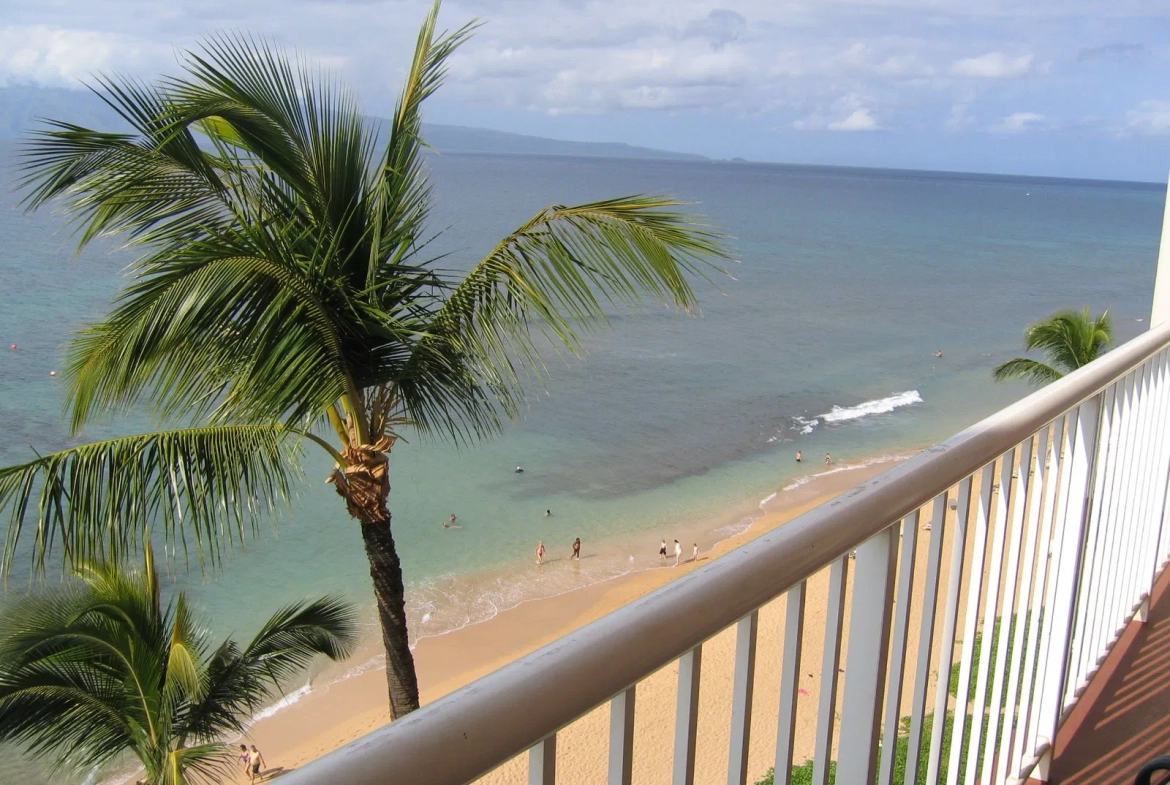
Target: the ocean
(820, 339)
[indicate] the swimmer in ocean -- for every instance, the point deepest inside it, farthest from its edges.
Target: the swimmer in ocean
(519, 469)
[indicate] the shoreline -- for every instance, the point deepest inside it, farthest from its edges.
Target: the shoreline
(344, 703)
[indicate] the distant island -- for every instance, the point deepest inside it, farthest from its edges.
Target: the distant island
(21, 107)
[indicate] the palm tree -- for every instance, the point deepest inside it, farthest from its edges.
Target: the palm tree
(1069, 340)
(286, 296)
(94, 670)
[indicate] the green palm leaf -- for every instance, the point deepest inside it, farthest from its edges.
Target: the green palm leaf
(556, 276)
(1069, 340)
(95, 669)
(209, 484)
(1028, 370)
(239, 681)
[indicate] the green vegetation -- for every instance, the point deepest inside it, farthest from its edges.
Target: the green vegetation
(1069, 339)
(94, 670)
(287, 296)
(803, 774)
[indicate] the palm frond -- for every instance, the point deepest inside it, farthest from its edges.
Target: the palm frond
(64, 657)
(152, 183)
(1030, 371)
(401, 195)
(1069, 339)
(553, 278)
(56, 720)
(298, 632)
(200, 763)
(184, 679)
(230, 322)
(209, 485)
(239, 682)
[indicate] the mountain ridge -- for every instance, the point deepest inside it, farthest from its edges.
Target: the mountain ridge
(21, 107)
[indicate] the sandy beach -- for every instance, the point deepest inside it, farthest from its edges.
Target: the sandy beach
(333, 715)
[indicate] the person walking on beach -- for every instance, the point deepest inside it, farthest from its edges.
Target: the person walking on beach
(695, 552)
(577, 549)
(799, 456)
(540, 553)
(677, 552)
(257, 761)
(245, 759)
(662, 551)
(828, 459)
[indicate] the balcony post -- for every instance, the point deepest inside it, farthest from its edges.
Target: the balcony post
(869, 642)
(542, 762)
(1161, 310)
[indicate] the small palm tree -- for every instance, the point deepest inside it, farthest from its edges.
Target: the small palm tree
(91, 671)
(286, 297)
(1069, 339)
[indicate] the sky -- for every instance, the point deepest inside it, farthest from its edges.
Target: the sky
(1075, 88)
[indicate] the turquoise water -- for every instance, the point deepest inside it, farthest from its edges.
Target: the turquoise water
(847, 282)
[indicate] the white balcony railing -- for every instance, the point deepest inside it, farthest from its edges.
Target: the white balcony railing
(1046, 535)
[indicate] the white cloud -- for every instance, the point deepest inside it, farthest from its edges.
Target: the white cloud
(915, 65)
(847, 113)
(56, 57)
(1018, 123)
(859, 120)
(959, 117)
(1149, 118)
(993, 65)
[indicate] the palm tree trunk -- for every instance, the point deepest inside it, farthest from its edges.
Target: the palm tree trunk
(365, 485)
(386, 572)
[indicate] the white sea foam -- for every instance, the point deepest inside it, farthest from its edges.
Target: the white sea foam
(768, 498)
(880, 406)
(288, 700)
(805, 425)
(846, 467)
(376, 662)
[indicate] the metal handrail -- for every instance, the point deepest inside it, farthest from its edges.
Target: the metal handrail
(467, 733)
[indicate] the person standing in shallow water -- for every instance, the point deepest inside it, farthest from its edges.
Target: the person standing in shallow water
(577, 549)
(662, 551)
(828, 459)
(540, 553)
(799, 456)
(677, 552)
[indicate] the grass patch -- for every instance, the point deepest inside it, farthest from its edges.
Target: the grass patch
(803, 774)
